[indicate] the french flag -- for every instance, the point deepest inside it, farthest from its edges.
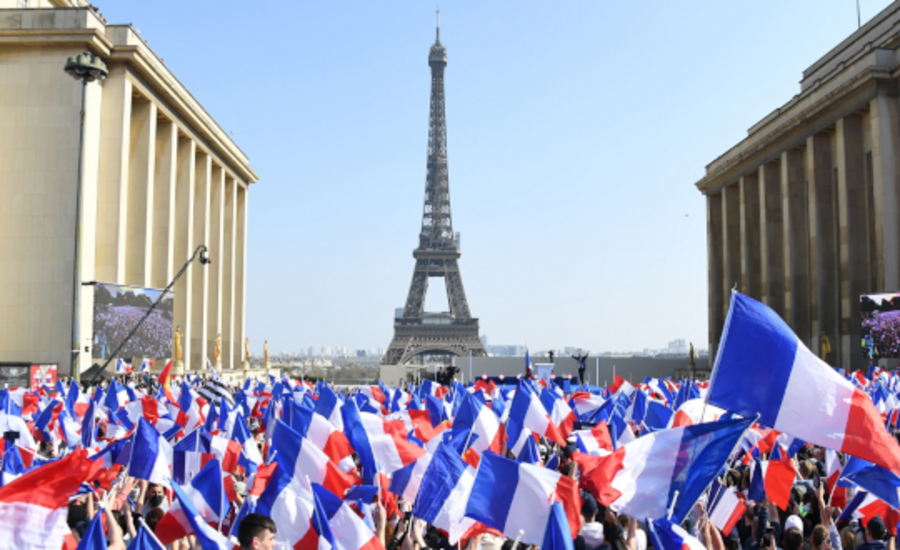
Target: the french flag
(356, 433)
(122, 367)
(444, 490)
(773, 479)
(641, 479)
(585, 404)
(763, 368)
(151, 455)
(34, 507)
(562, 416)
(207, 536)
(327, 437)
(527, 411)
(670, 536)
(595, 441)
(300, 457)
(207, 493)
(475, 416)
(514, 497)
(349, 530)
(864, 506)
(405, 482)
(289, 502)
(190, 455)
(727, 509)
(146, 365)
(393, 452)
(833, 469)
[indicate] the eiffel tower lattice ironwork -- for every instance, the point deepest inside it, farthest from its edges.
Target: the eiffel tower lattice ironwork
(419, 333)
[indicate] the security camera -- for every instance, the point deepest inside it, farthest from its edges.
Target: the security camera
(204, 259)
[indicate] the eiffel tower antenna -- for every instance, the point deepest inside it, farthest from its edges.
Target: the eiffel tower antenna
(418, 333)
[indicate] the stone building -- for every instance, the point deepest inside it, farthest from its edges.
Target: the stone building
(160, 177)
(802, 214)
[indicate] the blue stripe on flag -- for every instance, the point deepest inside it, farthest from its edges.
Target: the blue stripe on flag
(493, 491)
(754, 361)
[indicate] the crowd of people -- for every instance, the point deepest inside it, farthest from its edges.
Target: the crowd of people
(810, 521)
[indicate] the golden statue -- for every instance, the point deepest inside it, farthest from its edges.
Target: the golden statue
(824, 347)
(266, 352)
(217, 353)
(691, 354)
(178, 343)
(246, 349)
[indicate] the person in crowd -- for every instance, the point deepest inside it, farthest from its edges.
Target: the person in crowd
(875, 532)
(257, 532)
(581, 358)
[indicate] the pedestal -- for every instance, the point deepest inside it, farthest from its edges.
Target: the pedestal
(245, 366)
(178, 368)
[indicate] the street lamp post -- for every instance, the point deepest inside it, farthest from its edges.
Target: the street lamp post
(85, 67)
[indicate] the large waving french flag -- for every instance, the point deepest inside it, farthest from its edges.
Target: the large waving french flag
(763, 368)
(482, 421)
(642, 478)
(515, 497)
(443, 493)
(33, 508)
(151, 455)
(289, 502)
(301, 458)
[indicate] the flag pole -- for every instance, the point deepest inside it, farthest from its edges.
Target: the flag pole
(518, 538)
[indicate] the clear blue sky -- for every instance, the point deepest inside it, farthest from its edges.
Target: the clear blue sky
(576, 133)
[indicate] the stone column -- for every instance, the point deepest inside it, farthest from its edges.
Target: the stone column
(240, 266)
(715, 262)
(164, 204)
(795, 242)
(851, 201)
(885, 155)
(112, 192)
(771, 236)
(232, 347)
(184, 243)
(200, 276)
(731, 241)
(141, 169)
(217, 254)
(750, 248)
(823, 241)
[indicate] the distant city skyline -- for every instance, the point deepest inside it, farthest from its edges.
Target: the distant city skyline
(576, 133)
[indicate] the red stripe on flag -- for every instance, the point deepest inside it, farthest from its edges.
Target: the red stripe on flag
(865, 436)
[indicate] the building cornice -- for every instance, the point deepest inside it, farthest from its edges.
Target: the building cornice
(815, 111)
(83, 28)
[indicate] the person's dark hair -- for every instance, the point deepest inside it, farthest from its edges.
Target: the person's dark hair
(876, 528)
(733, 540)
(153, 517)
(792, 540)
(253, 526)
(732, 478)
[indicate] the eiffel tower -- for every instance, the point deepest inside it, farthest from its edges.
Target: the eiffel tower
(418, 333)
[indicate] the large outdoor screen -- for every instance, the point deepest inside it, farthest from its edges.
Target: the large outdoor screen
(880, 325)
(118, 309)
